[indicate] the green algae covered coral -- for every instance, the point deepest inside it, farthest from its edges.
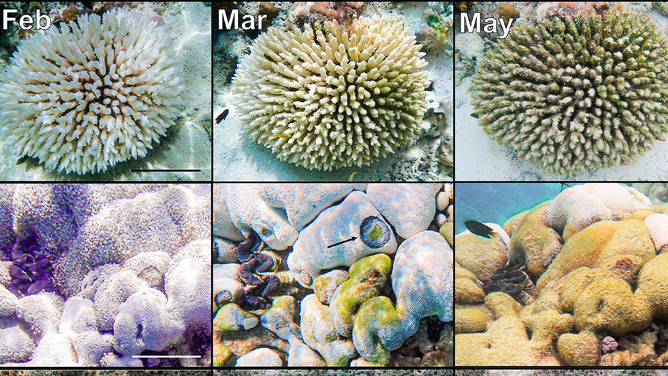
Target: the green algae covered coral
(576, 94)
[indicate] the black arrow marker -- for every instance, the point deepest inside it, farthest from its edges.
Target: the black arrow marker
(345, 241)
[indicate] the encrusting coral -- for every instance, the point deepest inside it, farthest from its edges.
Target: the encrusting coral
(576, 94)
(332, 96)
(92, 93)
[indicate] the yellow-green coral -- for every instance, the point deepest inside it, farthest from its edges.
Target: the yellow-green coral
(581, 349)
(596, 243)
(375, 315)
(368, 276)
(448, 232)
(572, 95)
(535, 240)
(470, 320)
(507, 343)
(466, 288)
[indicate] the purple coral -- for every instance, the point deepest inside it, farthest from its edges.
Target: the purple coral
(608, 344)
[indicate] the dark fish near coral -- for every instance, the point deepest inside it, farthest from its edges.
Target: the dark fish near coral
(480, 229)
(564, 186)
(25, 157)
(474, 115)
(222, 116)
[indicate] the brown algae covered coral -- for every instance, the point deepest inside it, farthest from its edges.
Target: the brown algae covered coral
(331, 95)
(574, 94)
(595, 259)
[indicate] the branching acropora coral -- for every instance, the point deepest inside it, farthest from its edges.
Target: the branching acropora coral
(91, 93)
(332, 96)
(572, 95)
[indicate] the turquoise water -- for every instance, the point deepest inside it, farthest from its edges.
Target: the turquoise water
(496, 202)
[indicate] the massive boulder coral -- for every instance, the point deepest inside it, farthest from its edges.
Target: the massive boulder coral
(422, 277)
(303, 203)
(320, 334)
(577, 207)
(342, 234)
(170, 218)
(331, 96)
(606, 284)
(506, 341)
(576, 94)
(317, 248)
(142, 285)
(103, 91)
(595, 245)
(410, 208)
(247, 212)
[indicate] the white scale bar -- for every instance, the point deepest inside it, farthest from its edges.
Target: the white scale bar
(166, 356)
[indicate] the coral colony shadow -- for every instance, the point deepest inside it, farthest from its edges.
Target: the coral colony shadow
(572, 89)
(579, 280)
(109, 93)
(105, 275)
(336, 275)
(331, 89)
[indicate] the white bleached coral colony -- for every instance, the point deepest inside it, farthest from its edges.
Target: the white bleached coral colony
(332, 96)
(91, 275)
(92, 93)
(339, 286)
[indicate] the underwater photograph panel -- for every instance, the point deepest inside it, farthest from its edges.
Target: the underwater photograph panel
(105, 275)
(324, 91)
(105, 91)
(561, 90)
(575, 279)
(332, 275)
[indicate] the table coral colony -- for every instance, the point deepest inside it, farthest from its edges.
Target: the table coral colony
(332, 274)
(579, 280)
(93, 275)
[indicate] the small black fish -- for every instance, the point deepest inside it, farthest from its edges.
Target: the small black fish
(474, 115)
(479, 229)
(564, 186)
(22, 160)
(222, 116)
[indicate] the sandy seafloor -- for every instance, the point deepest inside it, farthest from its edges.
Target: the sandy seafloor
(188, 142)
(238, 158)
(477, 157)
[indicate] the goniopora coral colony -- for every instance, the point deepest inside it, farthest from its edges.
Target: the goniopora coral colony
(582, 88)
(91, 91)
